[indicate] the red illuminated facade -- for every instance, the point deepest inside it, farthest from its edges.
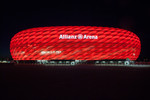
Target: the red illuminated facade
(75, 43)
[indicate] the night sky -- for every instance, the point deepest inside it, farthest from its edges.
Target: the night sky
(126, 14)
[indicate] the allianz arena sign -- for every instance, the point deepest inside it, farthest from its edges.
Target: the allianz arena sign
(79, 36)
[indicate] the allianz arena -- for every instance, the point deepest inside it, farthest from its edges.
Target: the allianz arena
(75, 43)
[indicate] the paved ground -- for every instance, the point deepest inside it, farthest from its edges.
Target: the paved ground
(32, 82)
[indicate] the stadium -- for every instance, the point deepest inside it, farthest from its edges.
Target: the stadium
(74, 43)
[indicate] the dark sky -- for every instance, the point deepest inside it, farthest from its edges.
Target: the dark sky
(126, 14)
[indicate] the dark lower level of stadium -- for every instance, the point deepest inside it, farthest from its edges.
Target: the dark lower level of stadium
(75, 62)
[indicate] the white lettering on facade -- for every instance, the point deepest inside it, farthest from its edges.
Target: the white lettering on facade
(79, 36)
(50, 52)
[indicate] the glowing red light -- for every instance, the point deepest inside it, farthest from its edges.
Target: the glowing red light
(75, 43)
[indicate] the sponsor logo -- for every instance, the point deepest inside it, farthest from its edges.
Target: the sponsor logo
(79, 36)
(50, 52)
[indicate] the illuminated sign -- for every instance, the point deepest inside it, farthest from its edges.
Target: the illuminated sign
(79, 36)
(50, 52)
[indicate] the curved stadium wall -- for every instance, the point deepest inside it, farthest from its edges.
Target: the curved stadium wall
(75, 43)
